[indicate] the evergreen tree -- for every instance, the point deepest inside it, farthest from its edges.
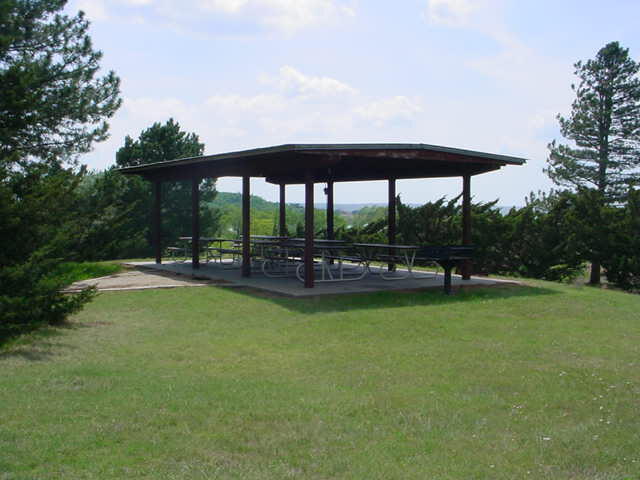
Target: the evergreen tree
(168, 142)
(604, 127)
(53, 105)
(112, 217)
(159, 143)
(622, 265)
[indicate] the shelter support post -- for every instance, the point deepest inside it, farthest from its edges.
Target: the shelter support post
(246, 226)
(157, 220)
(283, 212)
(466, 223)
(195, 223)
(391, 216)
(447, 265)
(308, 231)
(330, 229)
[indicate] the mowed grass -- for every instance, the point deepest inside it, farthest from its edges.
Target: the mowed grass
(536, 382)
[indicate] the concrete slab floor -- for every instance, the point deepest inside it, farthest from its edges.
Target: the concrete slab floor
(227, 275)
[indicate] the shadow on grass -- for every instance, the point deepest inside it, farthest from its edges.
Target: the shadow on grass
(35, 343)
(396, 298)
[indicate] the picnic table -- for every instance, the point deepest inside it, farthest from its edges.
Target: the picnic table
(337, 260)
(213, 248)
(388, 253)
(447, 256)
(285, 257)
(335, 263)
(259, 246)
(334, 260)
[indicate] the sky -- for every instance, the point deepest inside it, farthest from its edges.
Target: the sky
(486, 75)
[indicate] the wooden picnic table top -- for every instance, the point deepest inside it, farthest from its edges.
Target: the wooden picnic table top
(386, 245)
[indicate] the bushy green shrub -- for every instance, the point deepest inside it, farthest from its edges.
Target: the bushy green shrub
(533, 241)
(35, 228)
(540, 240)
(623, 270)
(374, 232)
(30, 297)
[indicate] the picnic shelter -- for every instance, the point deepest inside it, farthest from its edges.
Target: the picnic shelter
(308, 164)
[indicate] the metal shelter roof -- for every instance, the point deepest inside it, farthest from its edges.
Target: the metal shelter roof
(295, 163)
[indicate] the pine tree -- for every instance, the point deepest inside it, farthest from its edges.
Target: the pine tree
(52, 103)
(162, 142)
(53, 106)
(604, 128)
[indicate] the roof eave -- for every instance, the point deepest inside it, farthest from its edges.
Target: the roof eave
(285, 148)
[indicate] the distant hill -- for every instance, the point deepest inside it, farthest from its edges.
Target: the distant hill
(224, 199)
(354, 207)
(258, 203)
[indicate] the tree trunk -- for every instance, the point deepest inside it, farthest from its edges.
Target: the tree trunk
(594, 278)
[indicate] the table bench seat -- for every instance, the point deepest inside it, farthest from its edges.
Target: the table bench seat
(345, 258)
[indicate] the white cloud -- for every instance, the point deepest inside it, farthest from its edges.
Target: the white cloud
(292, 80)
(137, 3)
(288, 16)
(262, 103)
(451, 12)
(388, 109)
(322, 109)
(509, 62)
(520, 68)
(515, 65)
(154, 109)
(292, 15)
(226, 6)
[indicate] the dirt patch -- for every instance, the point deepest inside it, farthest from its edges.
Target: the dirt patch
(141, 279)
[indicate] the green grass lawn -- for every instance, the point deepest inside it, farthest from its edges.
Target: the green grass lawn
(71, 272)
(504, 383)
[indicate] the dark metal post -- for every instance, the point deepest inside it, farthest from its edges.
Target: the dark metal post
(283, 212)
(246, 226)
(157, 221)
(466, 223)
(195, 223)
(308, 231)
(391, 215)
(447, 278)
(330, 232)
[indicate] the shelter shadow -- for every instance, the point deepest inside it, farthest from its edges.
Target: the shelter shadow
(397, 298)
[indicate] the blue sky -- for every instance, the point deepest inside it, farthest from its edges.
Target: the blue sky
(487, 75)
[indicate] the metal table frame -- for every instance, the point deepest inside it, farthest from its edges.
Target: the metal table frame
(405, 254)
